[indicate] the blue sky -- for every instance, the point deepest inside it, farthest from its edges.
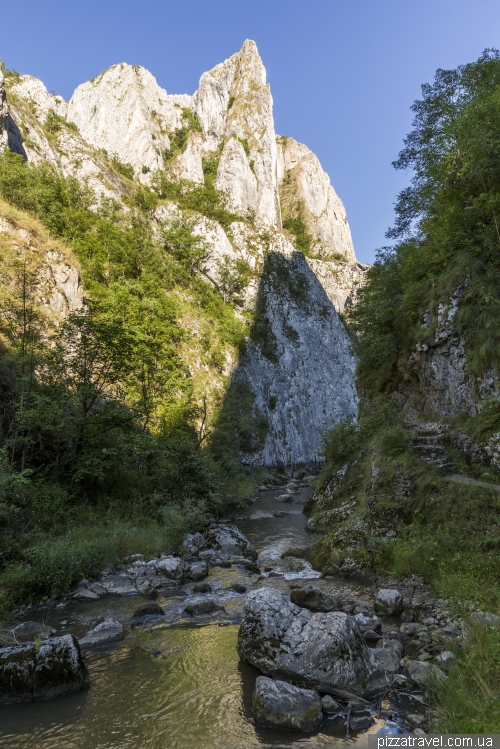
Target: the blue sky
(343, 74)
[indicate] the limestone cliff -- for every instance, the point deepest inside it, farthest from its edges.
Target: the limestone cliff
(122, 128)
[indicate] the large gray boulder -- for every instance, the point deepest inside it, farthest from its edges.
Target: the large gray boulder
(28, 672)
(277, 704)
(388, 602)
(323, 651)
(227, 540)
(312, 598)
(105, 633)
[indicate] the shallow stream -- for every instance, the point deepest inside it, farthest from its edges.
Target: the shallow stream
(178, 684)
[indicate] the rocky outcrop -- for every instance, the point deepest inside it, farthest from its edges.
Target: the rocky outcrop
(306, 188)
(323, 651)
(233, 105)
(4, 111)
(126, 112)
(28, 672)
(436, 378)
(298, 363)
(277, 704)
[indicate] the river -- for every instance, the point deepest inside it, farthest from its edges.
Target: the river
(174, 684)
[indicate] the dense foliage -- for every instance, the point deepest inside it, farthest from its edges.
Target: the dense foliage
(99, 417)
(447, 228)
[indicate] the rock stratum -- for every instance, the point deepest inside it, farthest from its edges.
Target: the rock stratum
(298, 363)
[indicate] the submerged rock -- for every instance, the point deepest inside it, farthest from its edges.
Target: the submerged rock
(148, 609)
(277, 704)
(200, 608)
(202, 588)
(104, 634)
(30, 631)
(312, 598)
(29, 673)
(324, 651)
(227, 540)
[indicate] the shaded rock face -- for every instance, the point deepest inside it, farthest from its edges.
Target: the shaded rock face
(298, 364)
(277, 704)
(29, 673)
(321, 651)
(443, 384)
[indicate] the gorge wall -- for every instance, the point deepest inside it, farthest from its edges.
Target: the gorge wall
(297, 363)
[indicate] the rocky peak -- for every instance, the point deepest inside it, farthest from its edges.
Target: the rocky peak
(234, 107)
(126, 112)
(33, 89)
(306, 190)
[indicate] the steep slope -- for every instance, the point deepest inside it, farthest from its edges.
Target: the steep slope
(225, 177)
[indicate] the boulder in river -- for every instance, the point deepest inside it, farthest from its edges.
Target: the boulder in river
(277, 704)
(202, 588)
(312, 598)
(148, 609)
(30, 631)
(104, 634)
(28, 672)
(119, 584)
(198, 570)
(323, 651)
(388, 602)
(169, 566)
(227, 540)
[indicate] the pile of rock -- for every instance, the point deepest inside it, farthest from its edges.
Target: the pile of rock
(308, 640)
(222, 544)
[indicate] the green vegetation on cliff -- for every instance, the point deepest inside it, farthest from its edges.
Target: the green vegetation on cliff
(102, 423)
(447, 229)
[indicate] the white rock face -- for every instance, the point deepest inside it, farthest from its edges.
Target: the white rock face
(126, 112)
(235, 177)
(323, 211)
(234, 99)
(33, 90)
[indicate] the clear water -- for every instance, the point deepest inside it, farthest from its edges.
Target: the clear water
(173, 684)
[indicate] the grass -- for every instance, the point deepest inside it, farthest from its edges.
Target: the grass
(469, 701)
(55, 564)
